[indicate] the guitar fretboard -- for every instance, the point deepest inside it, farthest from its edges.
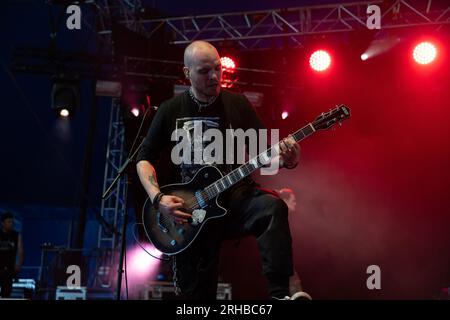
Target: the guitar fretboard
(262, 159)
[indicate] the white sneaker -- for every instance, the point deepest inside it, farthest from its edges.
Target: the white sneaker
(300, 295)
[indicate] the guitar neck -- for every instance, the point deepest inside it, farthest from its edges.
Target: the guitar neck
(262, 159)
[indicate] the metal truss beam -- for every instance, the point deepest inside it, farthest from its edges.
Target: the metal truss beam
(170, 70)
(256, 29)
(113, 205)
(108, 11)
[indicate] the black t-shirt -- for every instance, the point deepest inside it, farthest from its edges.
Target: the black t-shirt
(8, 249)
(229, 111)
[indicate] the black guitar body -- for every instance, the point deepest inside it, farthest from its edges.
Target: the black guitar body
(170, 237)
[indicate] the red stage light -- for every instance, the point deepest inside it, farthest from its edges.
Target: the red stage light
(424, 53)
(320, 60)
(228, 72)
(228, 63)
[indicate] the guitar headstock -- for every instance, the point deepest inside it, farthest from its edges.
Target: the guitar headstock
(328, 119)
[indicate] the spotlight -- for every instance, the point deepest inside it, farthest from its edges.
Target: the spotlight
(320, 60)
(140, 265)
(65, 98)
(424, 53)
(64, 113)
(364, 56)
(228, 64)
(284, 115)
(229, 76)
(135, 111)
(136, 100)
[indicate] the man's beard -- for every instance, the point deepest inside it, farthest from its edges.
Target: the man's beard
(212, 91)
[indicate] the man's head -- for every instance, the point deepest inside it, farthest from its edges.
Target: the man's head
(7, 220)
(288, 196)
(203, 69)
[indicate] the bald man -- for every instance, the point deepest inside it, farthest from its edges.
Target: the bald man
(251, 209)
(203, 69)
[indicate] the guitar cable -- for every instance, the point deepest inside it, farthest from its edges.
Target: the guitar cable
(139, 130)
(142, 247)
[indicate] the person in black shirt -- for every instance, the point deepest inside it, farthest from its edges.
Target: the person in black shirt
(252, 210)
(11, 254)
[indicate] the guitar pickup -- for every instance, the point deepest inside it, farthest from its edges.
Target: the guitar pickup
(201, 202)
(163, 228)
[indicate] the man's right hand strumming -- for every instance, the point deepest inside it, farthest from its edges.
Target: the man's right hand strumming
(167, 204)
(171, 205)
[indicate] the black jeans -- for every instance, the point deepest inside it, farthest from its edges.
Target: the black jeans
(251, 211)
(6, 281)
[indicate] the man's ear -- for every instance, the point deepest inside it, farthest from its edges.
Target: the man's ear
(186, 72)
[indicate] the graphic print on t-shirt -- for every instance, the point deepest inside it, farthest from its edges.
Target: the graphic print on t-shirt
(199, 125)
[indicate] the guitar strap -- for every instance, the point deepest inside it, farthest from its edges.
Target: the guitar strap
(227, 123)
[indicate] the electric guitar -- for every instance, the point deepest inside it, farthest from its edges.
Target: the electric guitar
(201, 193)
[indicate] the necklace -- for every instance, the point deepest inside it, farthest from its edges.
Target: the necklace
(199, 103)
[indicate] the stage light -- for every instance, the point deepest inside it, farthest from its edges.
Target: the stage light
(141, 266)
(424, 53)
(65, 98)
(284, 115)
(135, 100)
(320, 60)
(64, 113)
(380, 45)
(228, 64)
(229, 76)
(135, 111)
